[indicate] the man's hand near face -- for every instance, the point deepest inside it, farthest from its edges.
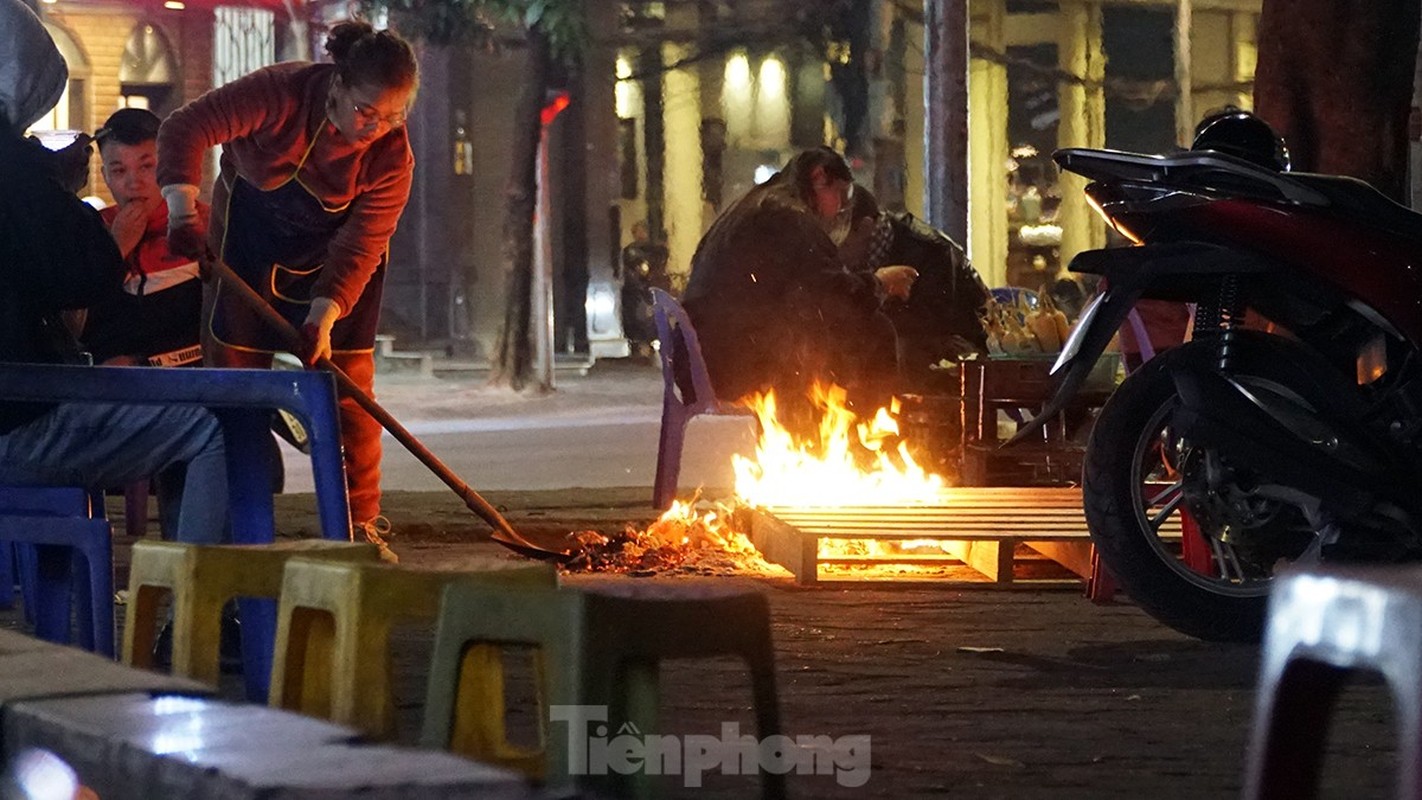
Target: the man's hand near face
(131, 221)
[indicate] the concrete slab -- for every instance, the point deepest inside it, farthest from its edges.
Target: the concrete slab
(136, 747)
(32, 669)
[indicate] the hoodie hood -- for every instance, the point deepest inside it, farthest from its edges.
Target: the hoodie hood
(32, 72)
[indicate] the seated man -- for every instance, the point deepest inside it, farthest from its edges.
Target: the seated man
(942, 318)
(154, 320)
(775, 308)
(56, 254)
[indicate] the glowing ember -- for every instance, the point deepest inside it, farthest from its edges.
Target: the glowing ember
(681, 540)
(832, 472)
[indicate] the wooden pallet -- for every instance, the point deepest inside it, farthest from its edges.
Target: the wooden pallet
(998, 536)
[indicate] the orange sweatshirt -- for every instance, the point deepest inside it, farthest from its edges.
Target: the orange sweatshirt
(265, 121)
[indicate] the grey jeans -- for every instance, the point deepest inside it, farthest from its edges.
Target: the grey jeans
(100, 445)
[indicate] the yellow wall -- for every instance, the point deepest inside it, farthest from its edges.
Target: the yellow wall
(682, 171)
(101, 30)
(1083, 120)
(987, 143)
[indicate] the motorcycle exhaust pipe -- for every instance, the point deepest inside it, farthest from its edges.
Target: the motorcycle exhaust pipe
(1220, 414)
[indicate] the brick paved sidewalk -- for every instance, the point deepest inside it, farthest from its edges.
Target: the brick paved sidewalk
(964, 693)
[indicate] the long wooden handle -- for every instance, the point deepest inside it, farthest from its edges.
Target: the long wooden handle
(503, 531)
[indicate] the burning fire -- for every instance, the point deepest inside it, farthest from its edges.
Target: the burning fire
(682, 539)
(789, 472)
(853, 463)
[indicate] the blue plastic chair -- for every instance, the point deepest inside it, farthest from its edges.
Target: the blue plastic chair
(242, 401)
(680, 404)
(63, 535)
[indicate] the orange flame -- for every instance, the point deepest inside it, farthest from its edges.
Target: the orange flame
(790, 472)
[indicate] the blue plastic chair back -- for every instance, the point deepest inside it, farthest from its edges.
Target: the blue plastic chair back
(680, 354)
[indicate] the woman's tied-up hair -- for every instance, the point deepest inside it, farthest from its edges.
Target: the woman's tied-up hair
(367, 57)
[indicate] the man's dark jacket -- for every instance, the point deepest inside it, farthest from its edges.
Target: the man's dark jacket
(55, 254)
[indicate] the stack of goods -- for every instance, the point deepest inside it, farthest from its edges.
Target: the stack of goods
(1022, 327)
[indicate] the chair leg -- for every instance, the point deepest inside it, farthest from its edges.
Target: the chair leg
(141, 625)
(669, 446)
(52, 593)
(7, 575)
(93, 583)
(27, 571)
(1289, 748)
(135, 508)
(258, 619)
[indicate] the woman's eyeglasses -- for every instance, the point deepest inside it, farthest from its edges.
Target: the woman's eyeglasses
(370, 114)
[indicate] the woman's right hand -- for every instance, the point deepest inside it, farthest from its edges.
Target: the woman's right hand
(187, 230)
(896, 280)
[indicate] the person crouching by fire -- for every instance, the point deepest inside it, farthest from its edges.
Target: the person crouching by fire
(774, 306)
(942, 317)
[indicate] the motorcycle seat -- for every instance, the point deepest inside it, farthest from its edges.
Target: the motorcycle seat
(1359, 199)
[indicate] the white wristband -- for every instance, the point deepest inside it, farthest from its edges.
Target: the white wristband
(182, 202)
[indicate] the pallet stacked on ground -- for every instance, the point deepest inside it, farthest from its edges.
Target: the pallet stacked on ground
(1000, 536)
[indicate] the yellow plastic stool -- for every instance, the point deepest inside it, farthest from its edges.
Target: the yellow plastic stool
(202, 578)
(332, 657)
(596, 648)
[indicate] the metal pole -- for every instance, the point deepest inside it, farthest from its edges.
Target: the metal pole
(945, 98)
(1184, 100)
(541, 313)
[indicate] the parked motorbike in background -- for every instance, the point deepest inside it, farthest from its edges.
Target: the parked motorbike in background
(1295, 442)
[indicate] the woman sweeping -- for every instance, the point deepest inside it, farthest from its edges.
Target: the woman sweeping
(315, 173)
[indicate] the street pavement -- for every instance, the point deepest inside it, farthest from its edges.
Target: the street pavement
(595, 430)
(962, 692)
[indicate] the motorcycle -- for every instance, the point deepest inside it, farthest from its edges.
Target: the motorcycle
(1245, 449)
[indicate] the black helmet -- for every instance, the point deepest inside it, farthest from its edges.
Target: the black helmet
(1239, 133)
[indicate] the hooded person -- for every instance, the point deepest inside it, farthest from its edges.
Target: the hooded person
(775, 308)
(56, 254)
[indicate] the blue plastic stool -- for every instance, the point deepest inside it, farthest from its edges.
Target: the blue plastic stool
(64, 535)
(242, 399)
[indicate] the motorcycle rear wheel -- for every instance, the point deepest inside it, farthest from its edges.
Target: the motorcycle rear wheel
(1132, 512)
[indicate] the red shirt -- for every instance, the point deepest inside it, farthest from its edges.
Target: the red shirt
(151, 256)
(266, 122)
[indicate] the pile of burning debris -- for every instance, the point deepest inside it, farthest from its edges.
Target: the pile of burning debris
(682, 541)
(850, 463)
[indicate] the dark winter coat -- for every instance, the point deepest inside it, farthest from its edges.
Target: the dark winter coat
(55, 254)
(773, 305)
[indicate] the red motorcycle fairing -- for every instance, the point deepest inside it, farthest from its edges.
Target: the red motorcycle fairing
(1381, 268)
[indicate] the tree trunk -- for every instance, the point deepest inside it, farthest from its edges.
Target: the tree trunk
(1335, 79)
(513, 356)
(654, 139)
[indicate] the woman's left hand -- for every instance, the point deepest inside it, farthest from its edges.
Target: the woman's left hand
(316, 330)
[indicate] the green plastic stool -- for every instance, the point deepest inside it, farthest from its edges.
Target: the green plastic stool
(594, 648)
